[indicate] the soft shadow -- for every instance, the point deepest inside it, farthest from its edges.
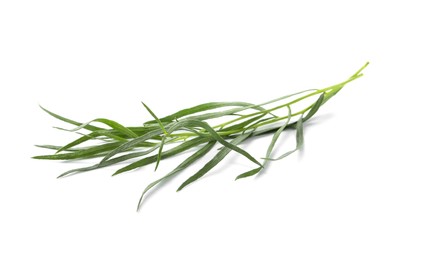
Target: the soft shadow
(318, 119)
(313, 121)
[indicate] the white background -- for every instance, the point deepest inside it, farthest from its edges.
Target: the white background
(356, 192)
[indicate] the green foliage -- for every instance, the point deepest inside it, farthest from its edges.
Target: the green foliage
(191, 129)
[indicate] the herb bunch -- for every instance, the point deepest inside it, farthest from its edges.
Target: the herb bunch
(195, 128)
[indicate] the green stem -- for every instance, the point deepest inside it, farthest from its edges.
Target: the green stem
(186, 135)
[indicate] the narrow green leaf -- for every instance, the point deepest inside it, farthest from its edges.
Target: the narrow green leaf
(114, 125)
(331, 93)
(159, 152)
(69, 121)
(109, 134)
(214, 161)
(299, 139)
(81, 153)
(248, 173)
(78, 141)
(156, 118)
(55, 147)
(186, 163)
(315, 107)
(277, 134)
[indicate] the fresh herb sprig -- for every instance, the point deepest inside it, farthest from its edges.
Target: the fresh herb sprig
(195, 128)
